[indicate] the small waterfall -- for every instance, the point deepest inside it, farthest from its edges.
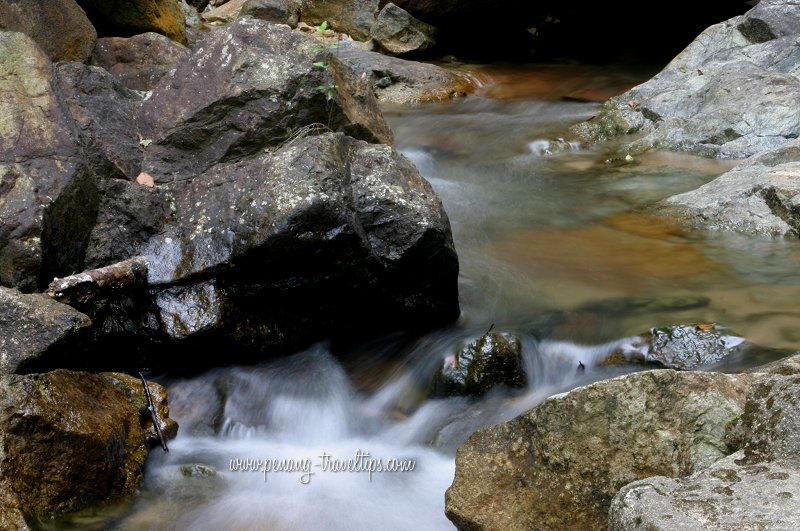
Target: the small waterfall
(286, 429)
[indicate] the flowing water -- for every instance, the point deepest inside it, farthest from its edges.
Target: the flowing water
(554, 247)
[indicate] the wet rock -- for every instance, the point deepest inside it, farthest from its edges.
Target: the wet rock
(760, 197)
(398, 81)
(44, 179)
(559, 465)
(60, 27)
(133, 388)
(141, 61)
(128, 216)
(732, 93)
(249, 200)
(759, 485)
(480, 365)
(62, 425)
(124, 18)
(682, 347)
(399, 33)
(263, 89)
(277, 11)
(359, 104)
(354, 17)
(104, 112)
(347, 240)
(36, 331)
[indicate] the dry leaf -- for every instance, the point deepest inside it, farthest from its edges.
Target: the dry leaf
(706, 326)
(145, 180)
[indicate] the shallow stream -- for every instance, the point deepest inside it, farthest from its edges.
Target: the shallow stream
(557, 248)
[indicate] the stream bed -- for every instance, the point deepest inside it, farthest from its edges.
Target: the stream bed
(352, 442)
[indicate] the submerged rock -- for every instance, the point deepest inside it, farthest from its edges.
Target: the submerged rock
(559, 465)
(682, 347)
(491, 360)
(59, 426)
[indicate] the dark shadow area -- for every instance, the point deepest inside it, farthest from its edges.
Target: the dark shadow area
(586, 31)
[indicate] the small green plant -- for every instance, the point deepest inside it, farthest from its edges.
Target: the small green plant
(327, 89)
(323, 26)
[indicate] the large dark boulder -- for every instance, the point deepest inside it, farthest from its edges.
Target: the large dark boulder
(228, 179)
(47, 196)
(71, 439)
(36, 330)
(60, 27)
(262, 88)
(364, 240)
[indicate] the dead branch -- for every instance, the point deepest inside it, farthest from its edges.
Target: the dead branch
(98, 283)
(153, 415)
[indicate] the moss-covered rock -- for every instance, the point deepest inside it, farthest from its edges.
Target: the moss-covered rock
(491, 360)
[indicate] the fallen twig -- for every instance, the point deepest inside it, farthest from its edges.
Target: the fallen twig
(90, 285)
(153, 415)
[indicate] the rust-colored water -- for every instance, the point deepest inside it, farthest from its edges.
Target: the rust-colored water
(536, 233)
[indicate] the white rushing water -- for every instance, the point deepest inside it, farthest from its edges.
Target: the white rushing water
(293, 445)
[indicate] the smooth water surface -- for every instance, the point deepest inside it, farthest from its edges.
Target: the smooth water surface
(538, 235)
